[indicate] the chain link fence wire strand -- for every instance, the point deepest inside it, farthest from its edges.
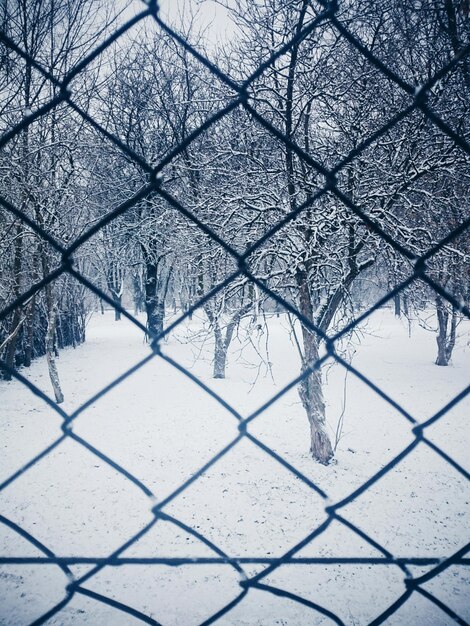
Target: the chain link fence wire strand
(418, 101)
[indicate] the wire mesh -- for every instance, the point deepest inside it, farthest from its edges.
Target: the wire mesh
(418, 98)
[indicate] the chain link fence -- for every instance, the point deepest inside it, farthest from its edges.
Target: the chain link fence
(418, 101)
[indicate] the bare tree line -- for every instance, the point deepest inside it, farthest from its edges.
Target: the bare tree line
(236, 177)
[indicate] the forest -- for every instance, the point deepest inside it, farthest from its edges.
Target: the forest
(234, 312)
(291, 190)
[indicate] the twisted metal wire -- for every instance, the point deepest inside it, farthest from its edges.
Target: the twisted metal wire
(155, 185)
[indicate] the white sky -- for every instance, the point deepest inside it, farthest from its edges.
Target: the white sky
(210, 15)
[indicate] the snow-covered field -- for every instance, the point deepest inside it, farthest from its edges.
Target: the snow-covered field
(162, 428)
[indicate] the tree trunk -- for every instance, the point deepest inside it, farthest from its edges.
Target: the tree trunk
(154, 308)
(12, 339)
(310, 389)
(117, 297)
(311, 395)
(406, 308)
(50, 355)
(155, 317)
(446, 334)
(29, 330)
(139, 297)
(18, 248)
(115, 283)
(221, 342)
(220, 352)
(397, 304)
(11, 349)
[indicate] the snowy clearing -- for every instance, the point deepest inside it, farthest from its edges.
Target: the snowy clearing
(161, 427)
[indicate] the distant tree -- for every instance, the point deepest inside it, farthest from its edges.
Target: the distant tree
(325, 96)
(41, 170)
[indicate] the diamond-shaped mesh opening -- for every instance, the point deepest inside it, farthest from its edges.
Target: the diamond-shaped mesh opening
(402, 500)
(246, 511)
(442, 588)
(156, 95)
(178, 594)
(234, 172)
(326, 114)
(364, 590)
(66, 505)
(118, 423)
(401, 181)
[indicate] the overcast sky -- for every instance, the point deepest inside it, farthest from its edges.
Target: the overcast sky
(211, 15)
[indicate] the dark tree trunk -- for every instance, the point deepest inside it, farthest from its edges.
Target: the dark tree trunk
(139, 297)
(11, 348)
(16, 319)
(28, 334)
(117, 298)
(397, 304)
(406, 308)
(115, 282)
(118, 301)
(446, 333)
(154, 306)
(18, 247)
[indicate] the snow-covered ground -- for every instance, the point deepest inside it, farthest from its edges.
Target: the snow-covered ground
(162, 428)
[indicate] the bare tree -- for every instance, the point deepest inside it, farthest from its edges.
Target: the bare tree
(42, 166)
